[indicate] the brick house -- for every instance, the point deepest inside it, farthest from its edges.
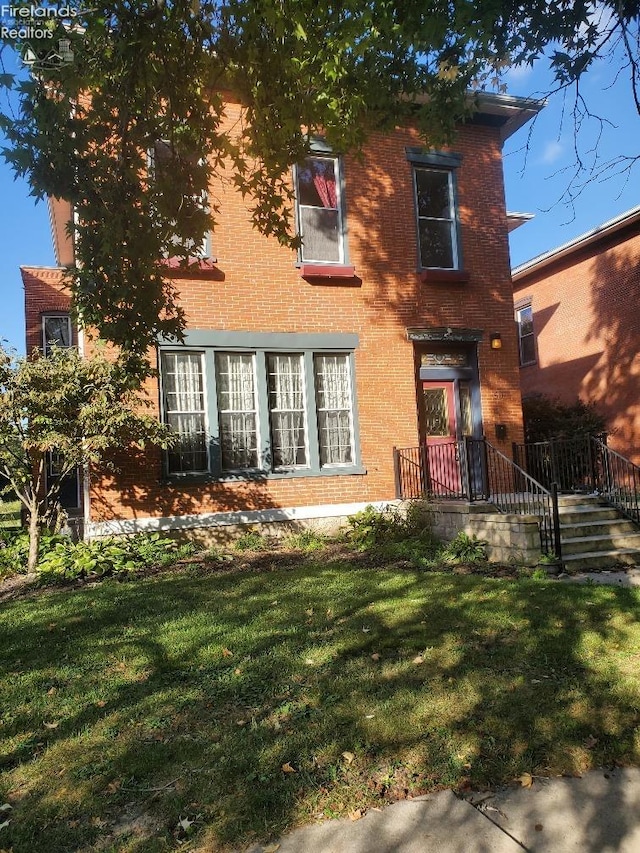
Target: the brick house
(579, 325)
(301, 372)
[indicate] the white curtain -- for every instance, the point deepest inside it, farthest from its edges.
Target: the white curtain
(287, 410)
(334, 409)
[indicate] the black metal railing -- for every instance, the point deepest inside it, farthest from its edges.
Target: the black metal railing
(617, 479)
(569, 462)
(472, 469)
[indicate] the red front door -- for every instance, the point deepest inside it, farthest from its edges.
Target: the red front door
(446, 419)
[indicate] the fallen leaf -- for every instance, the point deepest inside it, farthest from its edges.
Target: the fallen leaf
(369, 716)
(4, 824)
(5, 807)
(348, 757)
(538, 827)
(101, 703)
(272, 848)
(51, 725)
(590, 742)
(51, 691)
(356, 815)
(309, 612)
(365, 630)
(526, 780)
(309, 662)
(97, 821)
(237, 671)
(287, 768)
(112, 787)
(184, 823)
(375, 656)
(418, 659)
(226, 653)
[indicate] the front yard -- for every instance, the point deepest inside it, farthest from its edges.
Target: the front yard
(209, 707)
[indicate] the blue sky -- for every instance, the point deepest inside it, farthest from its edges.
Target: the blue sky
(535, 181)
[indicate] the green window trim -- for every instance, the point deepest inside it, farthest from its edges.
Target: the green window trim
(266, 345)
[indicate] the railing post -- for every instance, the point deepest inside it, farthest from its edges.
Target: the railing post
(465, 468)
(424, 469)
(396, 473)
(556, 521)
(592, 463)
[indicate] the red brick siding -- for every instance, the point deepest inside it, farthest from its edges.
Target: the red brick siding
(258, 288)
(587, 328)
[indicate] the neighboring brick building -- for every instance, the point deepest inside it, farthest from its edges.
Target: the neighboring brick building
(579, 325)
(301, 373)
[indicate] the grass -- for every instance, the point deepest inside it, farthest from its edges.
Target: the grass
(9, 513)
(170, 713)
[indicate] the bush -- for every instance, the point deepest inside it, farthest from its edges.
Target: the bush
(307, 541)
(68, 560)
(251, 541)
(374, 527)
(547, 417)
(14, 549)
(464, 549)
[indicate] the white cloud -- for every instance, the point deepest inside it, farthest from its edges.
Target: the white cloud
(552, 152)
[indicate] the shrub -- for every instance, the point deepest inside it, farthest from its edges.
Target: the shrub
(306, 540)
(374, 527)
(546, 417)
(251, 541)
(465, 549)
(14, 549)
(68, 560)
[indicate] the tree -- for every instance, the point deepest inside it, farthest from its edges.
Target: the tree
(77, 409)
(152, 71)
(548, 418)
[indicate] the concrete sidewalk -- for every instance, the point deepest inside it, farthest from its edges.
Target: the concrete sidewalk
(598, 813)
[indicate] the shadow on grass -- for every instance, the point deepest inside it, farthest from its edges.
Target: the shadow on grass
(131, 707)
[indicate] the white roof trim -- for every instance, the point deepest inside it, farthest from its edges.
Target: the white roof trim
(581, 242)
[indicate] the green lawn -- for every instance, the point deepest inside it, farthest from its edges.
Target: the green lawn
(130, 710)
(9, 513)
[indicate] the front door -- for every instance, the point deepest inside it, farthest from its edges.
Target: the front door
(447, 420)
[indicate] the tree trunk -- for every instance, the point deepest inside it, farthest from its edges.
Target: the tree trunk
(34, 541)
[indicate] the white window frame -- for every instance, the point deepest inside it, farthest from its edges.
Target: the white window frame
(342, 242)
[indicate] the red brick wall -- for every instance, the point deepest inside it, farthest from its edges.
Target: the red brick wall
(587, 328)
(257, 288)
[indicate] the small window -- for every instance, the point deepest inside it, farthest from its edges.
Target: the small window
(437, 221)
(184, 411)
(237, 412)
(320, 220)
(68, 486)
(56, 331)
(333, 404)
(524, 319)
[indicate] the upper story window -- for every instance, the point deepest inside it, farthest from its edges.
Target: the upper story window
(56, 331)
(161, 159)
(526, 337)
(320, 212)
(437, 214)
(437, 221)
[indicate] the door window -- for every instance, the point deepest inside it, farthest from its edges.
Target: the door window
(436, 412)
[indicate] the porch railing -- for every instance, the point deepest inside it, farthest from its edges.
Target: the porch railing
(472, 469)
(584, 464)
(569, 462)
(617, 479)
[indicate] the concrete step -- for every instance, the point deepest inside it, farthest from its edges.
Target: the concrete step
(578, 514)
(596, 527)
(607, 543)
(601, 560)
(579, 500)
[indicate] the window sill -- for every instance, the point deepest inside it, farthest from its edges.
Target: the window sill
(198, 267)
(445, 276)
(260, 476)
(314, 271)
